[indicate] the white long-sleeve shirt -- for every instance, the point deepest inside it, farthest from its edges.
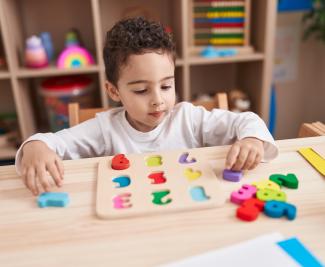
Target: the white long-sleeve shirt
(186, 126)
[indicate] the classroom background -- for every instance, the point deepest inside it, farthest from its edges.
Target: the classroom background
(266, 55)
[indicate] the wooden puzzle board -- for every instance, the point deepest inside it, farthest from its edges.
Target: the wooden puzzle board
(141, 187)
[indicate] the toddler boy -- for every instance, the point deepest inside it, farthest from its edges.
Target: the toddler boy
(139, 58)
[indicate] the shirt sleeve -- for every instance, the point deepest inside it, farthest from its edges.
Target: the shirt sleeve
(81, 141)
(223, 127)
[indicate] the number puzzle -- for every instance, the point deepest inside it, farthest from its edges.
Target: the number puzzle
(144, 184)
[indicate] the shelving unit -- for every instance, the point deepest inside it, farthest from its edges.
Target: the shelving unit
(19, 19)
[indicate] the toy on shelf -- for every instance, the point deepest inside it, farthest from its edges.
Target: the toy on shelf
(73, 37)
(58, 92)
(211, 52)
(35, 54)
(74, 54)
(209, 102)
(223, 24)
(74, 57)
(238, 101)
(48, 45)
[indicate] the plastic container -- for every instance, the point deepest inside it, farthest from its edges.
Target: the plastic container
(58, 92)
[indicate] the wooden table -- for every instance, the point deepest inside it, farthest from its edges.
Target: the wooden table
(73, 236)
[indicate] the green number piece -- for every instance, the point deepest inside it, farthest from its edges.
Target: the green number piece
(158, 195)
(290, 180)
(267, 194)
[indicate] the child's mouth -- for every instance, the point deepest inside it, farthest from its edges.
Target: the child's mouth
(157, 114)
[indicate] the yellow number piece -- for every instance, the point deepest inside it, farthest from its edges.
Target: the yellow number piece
(266, 184)
(192, 175)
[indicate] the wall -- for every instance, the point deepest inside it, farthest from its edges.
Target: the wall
(303, 99)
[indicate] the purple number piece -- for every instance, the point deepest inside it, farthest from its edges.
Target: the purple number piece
(183, 159)
(232, 176)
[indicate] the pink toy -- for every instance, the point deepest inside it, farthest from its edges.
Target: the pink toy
(122, 201)
(74, 57)
(246, 192)
(35, 54)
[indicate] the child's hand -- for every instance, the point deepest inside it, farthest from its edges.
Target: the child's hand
(245, 154)
(36, 160)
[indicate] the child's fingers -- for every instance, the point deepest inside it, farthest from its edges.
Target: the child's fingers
(31, 181)
(232, 156)
(24, 176)
(42, 178)
(257, 161)
(241, 159)
(60, 167)
(54, 172)
(250, 160)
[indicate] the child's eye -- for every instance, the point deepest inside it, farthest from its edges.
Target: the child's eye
(166, 87)
(139, 92)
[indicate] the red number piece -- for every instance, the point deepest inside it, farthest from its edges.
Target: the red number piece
(120, 162)
(158, 177)
(250, 209)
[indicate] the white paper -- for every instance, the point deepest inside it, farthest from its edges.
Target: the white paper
(261, 251)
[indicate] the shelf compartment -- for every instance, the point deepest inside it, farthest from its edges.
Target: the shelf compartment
(30, 17)
(6, 96)
(168, 12)
(38, 109)
(244, 76)
(8, 111)
(210, 79)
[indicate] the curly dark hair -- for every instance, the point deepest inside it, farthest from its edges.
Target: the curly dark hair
(134, 36)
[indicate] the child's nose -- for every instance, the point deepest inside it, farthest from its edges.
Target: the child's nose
(157, 100)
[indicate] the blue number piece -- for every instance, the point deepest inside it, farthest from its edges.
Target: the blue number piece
(50, 199)
(122, 181)
(277, 209)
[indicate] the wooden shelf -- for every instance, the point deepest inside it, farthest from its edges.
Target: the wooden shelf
(4, 74)
(198, 60)
(53, 71)
(250, 72)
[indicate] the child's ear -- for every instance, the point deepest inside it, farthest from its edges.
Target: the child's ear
(112, 91)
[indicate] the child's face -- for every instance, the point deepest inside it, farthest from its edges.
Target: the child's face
(146, 88)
